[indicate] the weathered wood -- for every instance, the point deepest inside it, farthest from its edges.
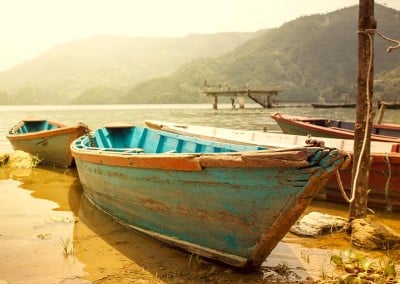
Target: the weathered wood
(324, 127)
(241, 94)
(259, 162)
(275, 232)
(220, 209)
(382, 108)
(215, 102)
(384, 175)
(364, 114)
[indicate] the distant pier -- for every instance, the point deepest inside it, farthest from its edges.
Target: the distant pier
(262, 97)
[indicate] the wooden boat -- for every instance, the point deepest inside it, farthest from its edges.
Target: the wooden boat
(393, 106)
(322, 127)
(228, 202)
(327, 105)
(48, 140)
(384, 177)
(390, 105)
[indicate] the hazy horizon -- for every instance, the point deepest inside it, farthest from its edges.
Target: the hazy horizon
(29, 28)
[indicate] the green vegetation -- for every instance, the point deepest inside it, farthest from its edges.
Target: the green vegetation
(311, 58)
(67, 247)
(356, 268)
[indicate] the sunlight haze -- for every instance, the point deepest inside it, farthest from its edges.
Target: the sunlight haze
(28, 28)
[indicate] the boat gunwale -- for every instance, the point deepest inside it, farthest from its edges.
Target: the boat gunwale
(305, 123)
(61, 130)
(215, 133)
(197, 161)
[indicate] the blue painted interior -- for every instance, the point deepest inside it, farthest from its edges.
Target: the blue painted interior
(35, 126)
(154, 141)
(226, 209)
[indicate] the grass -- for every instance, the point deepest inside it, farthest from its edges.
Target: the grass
(67, 246)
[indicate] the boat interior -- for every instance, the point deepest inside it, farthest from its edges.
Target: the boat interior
(33, 126)
(144, 140)
(380, 129)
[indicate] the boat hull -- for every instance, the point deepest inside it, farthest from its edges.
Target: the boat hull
(384, 175)
(215, 212)
(318, 127)
(49, 146)
(333, 105)
(384, 182)
(232, 207)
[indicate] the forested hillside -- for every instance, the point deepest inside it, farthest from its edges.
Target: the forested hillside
(311, 58)
(91, 67)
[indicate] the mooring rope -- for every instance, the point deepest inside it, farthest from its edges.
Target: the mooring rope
(342, 191)
(368, 32)
(364, 142)
(390, 48)
(388, 204)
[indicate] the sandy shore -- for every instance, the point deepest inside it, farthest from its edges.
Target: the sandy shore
(50, 233)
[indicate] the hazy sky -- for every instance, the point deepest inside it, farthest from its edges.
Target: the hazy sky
(30, 27)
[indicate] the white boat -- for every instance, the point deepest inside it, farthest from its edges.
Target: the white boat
(384, 177)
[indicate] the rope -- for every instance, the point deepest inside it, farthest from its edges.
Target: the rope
(390, 48)
(388, 206)
(356, 176)
(368, 32)
(342, 191)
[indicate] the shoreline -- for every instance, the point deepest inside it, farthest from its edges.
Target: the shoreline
(103, 251)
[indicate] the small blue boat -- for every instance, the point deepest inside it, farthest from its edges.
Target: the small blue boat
(228, 202)
(48, 140)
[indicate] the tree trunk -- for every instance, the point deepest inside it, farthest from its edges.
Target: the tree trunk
(364, 114)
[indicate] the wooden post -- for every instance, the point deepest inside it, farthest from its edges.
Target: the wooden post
(362, 136)
(269, 103)
(215, 102)
(241, 101)
(381, 112)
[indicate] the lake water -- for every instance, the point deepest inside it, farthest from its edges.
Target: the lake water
(252, 117)
(49, 233)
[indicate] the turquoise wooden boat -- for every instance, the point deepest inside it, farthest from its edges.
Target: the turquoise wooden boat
(228, 202)
(48, 140)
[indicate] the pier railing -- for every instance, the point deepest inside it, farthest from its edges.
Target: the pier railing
(262, 97)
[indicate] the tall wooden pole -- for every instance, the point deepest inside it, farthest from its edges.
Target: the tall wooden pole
(364, 114)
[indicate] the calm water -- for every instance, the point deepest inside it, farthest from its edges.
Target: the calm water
(49, 233)
(252, 117)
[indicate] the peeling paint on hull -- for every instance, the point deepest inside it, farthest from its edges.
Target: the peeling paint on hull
(232, 213)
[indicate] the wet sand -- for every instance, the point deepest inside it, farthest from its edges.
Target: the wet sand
(50, 233)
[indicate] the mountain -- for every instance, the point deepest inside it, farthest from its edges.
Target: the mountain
(311, 58)
(87, 66)
(387, 86)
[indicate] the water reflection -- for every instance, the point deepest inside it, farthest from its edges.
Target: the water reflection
(31, 238)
